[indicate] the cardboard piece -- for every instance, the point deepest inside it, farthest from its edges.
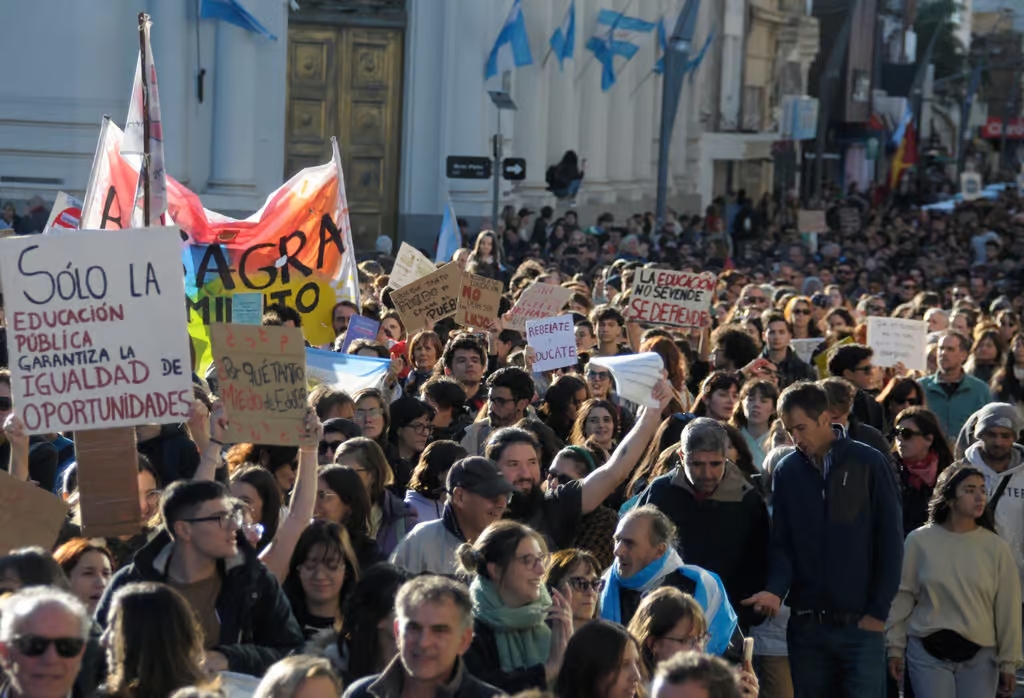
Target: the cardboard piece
(635, 375)
(108, 464)
(359, 327)
(410, 265)
(812, 221)
(970, 185)
(262, 375)
(821, 360)
(427, 300)
(677, 298)
(478, 300)
(247, 308)
(537, 302)
(28, 515)
(97, 329)
(554, 340)
(897, 340)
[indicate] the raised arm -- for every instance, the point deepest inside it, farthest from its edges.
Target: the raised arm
(603, 481)
(208, 431)
(14, 430)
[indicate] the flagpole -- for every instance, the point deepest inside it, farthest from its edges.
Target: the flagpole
(143, 21)
(646, 78)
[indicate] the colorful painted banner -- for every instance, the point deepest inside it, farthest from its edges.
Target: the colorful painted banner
(297, 250)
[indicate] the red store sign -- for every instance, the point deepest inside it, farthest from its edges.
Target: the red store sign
(993, 128)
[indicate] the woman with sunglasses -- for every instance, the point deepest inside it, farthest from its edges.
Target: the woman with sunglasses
(577, 575)
(798, 314)
(1009, 325)
(897, 395)
(602, 387)
(514, 647)
(921, 452)
(1008, 382)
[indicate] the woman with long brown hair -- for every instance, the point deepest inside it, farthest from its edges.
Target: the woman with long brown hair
(89, 565)
(676, 367)
(922, 453)
(597, 420)
(798, 315)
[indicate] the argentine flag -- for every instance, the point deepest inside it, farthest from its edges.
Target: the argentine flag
(616, 41)
(512, 47)
(564, 38)
(450, 238)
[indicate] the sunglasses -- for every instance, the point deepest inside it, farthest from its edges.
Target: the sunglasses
(36, 646)
(599, 375)
(562, 478)
(327, 447)
(905, 433)
(584, 584)
(801, 311)
(6, 403)
(912, 401)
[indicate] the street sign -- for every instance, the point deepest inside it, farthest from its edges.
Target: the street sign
(467, 167)
(513, 169)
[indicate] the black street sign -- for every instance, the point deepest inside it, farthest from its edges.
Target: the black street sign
(513, 169)
(467, 167)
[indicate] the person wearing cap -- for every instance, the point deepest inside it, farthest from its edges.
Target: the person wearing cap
(478, 495)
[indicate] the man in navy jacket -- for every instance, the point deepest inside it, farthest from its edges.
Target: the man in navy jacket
(836, 552)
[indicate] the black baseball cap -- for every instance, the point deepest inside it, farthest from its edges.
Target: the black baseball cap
(479, 476)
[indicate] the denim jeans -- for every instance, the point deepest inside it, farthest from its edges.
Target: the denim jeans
(835, 660)
(937, 678)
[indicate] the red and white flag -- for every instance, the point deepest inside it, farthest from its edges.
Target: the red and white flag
(145, 96)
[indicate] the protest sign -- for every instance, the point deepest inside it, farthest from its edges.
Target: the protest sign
(896, 340)
(554, 341)
(821, 360)
(247, 308)
(812, 222)
(678, 298)
(804, 348)
(96, 329)
(29, 515)
(478, 300)
(410, 265)
(970, 185)
(262, 377)
(297, 250)
(537, 302)
(108, 486)
(359, 327)
(66, 213)
(427, 300)
(348, 371)
(849, 220)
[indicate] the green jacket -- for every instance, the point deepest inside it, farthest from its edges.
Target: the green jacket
(971, 395)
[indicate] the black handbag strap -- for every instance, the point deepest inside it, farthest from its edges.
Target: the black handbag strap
(1000, 489)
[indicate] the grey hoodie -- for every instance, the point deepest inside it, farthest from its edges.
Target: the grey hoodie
(1009, 513)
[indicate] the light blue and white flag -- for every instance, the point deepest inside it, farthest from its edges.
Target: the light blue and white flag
(512, 47)
(618, 40)
(695, 61)
(659, 65)
(233, 12)
(450, 237)
(563, 40)
(348, 371)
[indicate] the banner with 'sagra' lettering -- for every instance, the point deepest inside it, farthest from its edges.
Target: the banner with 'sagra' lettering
(297, 250)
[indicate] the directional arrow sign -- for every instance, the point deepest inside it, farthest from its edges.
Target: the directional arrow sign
(513, 169)
(467, 167)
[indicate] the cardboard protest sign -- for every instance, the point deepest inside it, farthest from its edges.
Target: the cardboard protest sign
(96, 329)
(849, 220)
(970, 185)
(896, 340)
(427, 300)
(108, 463)
(410, 265)
(359, 327)
(478, 300)
(297, 250)
(812, 221)
(821, 360)
(28, 515)
(678, 298)
(554, 341)
(262, 376)
(538, 301)
(247, 308)
(66, 213)
(804, 348)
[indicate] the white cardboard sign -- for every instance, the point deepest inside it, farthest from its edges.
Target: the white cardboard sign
(410, 265)
(97, 330)
(897, 340)
(554, 340)
(538, 302)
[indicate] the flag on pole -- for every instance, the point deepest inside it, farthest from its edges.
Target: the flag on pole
(232, 12)
(616, 41)
(905, 138)
(563, 41)
(695, 61)
(512, 47)
(450, 238)
(659, 65)
(146, 95)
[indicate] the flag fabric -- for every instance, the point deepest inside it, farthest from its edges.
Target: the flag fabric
(616, 41)
(695, 61)
(348, 371)
(906, 151)
(232, 12)
(296, 250)
(146, 95)
(512, 47)
(450, 238)
(659, 65)
(563, 41)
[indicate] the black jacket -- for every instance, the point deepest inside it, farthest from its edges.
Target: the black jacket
(791, 369)
(482, 661)
(389, 684)
(726, 533)
(257, 627)
(868, 411)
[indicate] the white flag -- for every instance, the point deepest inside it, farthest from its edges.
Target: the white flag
(134, 138)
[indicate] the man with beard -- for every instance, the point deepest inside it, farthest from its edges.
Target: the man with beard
(556, 513)
(509, 392)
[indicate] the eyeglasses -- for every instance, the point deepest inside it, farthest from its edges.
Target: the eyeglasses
(327, 446)
(325, 494)
(562, 478)
(909, 401)
(372, 413)
(499, 400)
(153, 495)
(692, 642)
(227, 519)
(599, 375)
(309, 567)
(584, 584)
(419, 427)
(876, 308)
(530, 561)
(801, 311)
(863, 369)
(6, 404)
(903, 433)
(36, 646)
(753, 300)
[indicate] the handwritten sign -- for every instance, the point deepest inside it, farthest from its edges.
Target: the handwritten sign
(262, 376)
(427, 300)
(28, 515)
(678, 298)
(896, 340)
(97, 329)
(554, 341)
(539, 301)
(478, 300)
(804, 348)
(849, 220)
(970, 185)
(359, 327)
(812, 221)
(247, 308)
(821, 360)
(410, 265)
(108, 463)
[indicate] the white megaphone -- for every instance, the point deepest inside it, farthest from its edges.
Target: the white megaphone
(635, 375)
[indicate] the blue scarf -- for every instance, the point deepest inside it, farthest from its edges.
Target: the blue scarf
(644, 580)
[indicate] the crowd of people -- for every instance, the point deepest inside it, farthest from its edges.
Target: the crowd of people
(760, 524)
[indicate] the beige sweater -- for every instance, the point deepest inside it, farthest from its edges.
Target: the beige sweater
(965, 582)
